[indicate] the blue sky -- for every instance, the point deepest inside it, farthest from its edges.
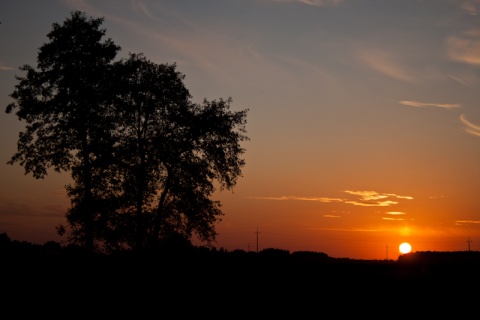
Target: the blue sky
(352, 103)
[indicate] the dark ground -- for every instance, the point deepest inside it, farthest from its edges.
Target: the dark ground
(218, 284)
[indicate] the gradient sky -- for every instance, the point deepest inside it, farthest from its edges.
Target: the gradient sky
(364, 116)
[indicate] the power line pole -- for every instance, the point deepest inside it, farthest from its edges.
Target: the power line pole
(469, 241)
(386, 251)
(257, 239)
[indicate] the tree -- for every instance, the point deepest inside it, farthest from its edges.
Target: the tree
(172, 152)
(68, 118)
(144, 159)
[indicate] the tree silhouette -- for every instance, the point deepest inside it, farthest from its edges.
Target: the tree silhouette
(170, 153)
(145, 159)
(64, 105)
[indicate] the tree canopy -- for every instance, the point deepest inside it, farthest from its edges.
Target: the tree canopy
(144, 158)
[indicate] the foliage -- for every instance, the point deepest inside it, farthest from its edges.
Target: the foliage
(64, 105)
(144, 159)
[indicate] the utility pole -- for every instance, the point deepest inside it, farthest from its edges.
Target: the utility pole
(257, 239)
(469, 241)
(386, 251)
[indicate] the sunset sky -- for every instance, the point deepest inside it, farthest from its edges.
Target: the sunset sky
(364, 116)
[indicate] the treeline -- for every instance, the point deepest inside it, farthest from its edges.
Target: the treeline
(175, 248)
(181, 249)
(182, 265)
(173, 252)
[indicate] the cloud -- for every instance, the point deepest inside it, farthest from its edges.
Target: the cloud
(465, 49)
(374, 199)
(424, 105)
(400, 197)
(386, 203)
(460, 80)
(472, 7)
(367, 195)
(384, 62)
(373, 195)
(194, 45)
(349, 229)
(6, 68)
(394, 213)
(316, 3)
(470, 128)
(367, 199)
(467, 222)
(143, 8)
(295, 198)
(330, 216)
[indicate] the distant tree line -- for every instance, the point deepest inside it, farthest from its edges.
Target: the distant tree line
(15, 248)
(144, 159)
(418, 268)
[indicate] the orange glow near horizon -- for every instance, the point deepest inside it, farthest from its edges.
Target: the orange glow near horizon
(289, 223)
(358, 232)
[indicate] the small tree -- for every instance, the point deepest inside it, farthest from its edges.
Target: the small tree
(68, 121)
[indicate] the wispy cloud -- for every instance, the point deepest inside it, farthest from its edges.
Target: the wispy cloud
(395, 213)
(470, 128)
(366, 198)
(317, 3)
(6, 68)
(386, 63)
(330, 216)
(467, 222)
(425, 105)
(472, 7)
(295, 198)
(466, 48)
(385, 203)
(143, 8)
(349, 229)
(373, 195)
(202, 46)
(374, 199)
(460, 80)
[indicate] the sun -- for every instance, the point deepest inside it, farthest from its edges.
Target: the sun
(405, 247)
